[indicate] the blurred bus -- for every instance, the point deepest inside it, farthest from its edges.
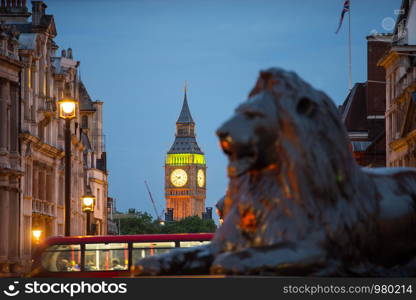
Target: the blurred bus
(105, 256)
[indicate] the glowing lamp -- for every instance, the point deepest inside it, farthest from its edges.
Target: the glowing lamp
(36, 234)
(67, 108)
(88, 202)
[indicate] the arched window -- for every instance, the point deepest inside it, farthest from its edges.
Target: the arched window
(84, 122)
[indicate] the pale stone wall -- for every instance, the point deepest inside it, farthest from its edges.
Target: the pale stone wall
(10, 167)
(400, 88)
(400, 143)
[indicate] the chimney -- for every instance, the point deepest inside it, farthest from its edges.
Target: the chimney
(38, 11)
(377, 45)
(13, 4)
(13, 11)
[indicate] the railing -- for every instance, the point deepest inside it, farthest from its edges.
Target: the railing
(8, 53)
(43, 207)
(48, 106)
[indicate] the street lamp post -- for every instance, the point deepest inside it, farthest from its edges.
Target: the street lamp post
(88, 202)
(67, 111)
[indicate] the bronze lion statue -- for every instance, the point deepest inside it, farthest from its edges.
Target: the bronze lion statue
(297, 203)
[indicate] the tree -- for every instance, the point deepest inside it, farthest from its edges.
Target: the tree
(189, 225)
(137, 222)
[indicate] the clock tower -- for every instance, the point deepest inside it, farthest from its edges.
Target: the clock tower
(185, 170)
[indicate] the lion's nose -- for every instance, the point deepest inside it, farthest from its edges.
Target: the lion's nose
(225, 141)
(226, 146)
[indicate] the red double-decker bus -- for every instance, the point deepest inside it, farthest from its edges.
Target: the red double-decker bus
(105, 256)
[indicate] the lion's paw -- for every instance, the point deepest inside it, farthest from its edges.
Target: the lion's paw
(150, 266)
(228, 263)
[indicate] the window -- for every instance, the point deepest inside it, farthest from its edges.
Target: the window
(98, 198)
(27, 235)
(188, 244)
(61, 191)
(32, 77)
(35, 181)
(29, 77)
(41, 183)
(60, 229)
(8, 128)
(62, 258)
(27, 178)
(141, 250)
(106, 257)
(45, 78)
(84, 123)
(41, 131)
(49, 187)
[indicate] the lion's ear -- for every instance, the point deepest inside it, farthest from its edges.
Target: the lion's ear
(306, 107)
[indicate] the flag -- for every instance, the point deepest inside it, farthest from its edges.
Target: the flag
(344, 10)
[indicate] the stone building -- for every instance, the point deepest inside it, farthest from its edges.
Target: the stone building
(10, 167)
(94, 156)
(363, 110)
(33, 77)
(400, 66)
(185, 171)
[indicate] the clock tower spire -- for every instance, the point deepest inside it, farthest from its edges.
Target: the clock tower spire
(185, 169)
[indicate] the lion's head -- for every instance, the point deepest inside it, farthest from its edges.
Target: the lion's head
(285, 113)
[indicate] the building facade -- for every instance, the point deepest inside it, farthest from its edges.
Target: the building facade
(33, 77)
(94, 157)
(10, 167)
(185, 171)
(363, 110)
(400, 66)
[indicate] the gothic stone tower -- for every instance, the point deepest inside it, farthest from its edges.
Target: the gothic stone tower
(185, 170)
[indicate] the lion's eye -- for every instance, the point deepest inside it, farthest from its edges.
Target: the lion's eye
(252, 114)
(306, 106)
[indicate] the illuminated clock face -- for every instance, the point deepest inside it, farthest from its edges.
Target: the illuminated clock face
(178, 177)
(201, 178)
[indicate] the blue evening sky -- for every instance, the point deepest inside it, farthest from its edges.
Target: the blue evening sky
(136, 55)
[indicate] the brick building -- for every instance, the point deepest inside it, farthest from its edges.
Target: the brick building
(363, 110)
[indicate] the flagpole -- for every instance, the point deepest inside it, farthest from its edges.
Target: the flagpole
(349, 49)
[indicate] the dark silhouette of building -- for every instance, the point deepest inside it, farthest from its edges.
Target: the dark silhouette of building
(207, 215)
